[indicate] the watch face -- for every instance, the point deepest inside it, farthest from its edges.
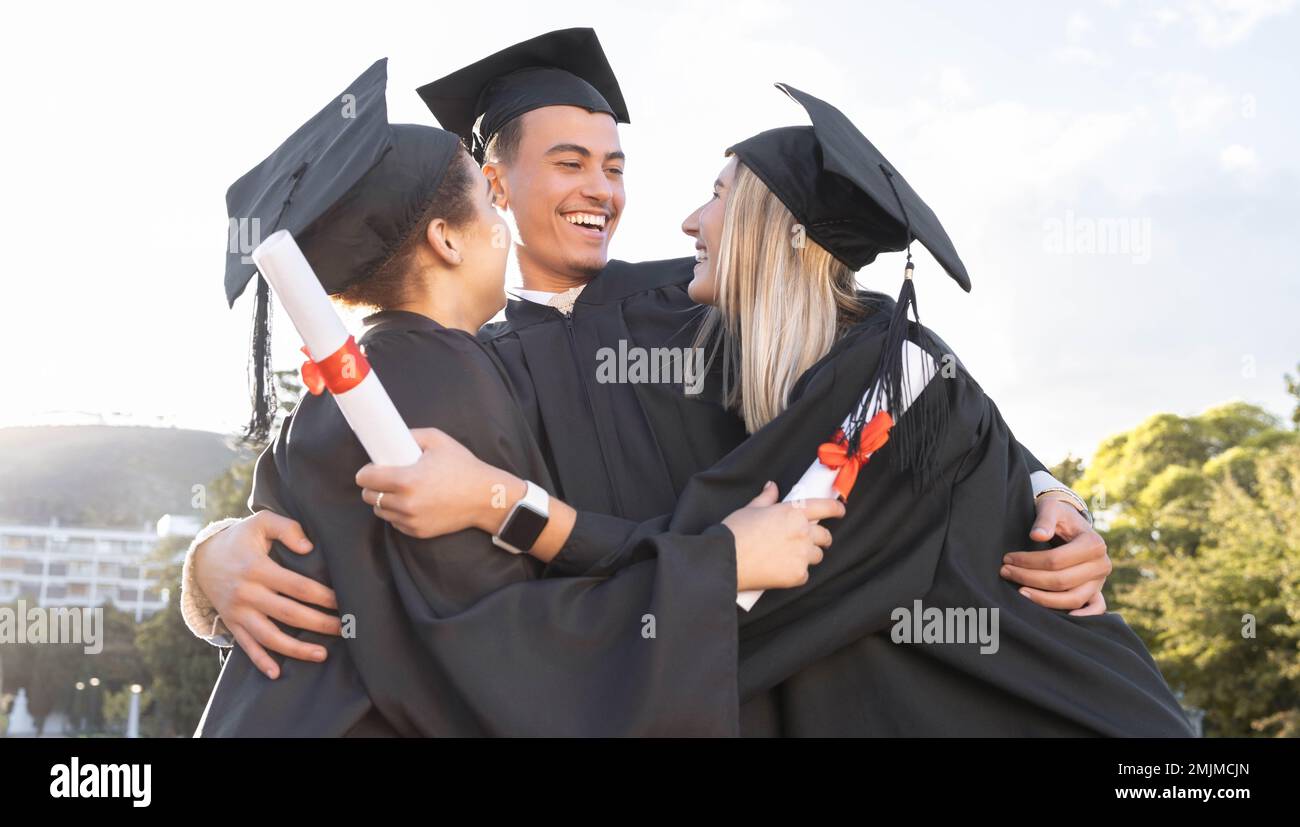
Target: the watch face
(525, 527)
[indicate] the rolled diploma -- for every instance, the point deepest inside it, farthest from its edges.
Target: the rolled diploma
(819, 480)
(367, 407)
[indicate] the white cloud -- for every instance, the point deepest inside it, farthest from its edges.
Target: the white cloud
(1223, 23)
(1166, 16)
(953, 85)
(1217, 24)
(1197, 102)
(1010, 153)
(1077, 25)
(1081, 56)
(1139, 37)
(1238, 158)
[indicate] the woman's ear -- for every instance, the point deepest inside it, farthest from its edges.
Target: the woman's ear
(445, 243)
(500, 188)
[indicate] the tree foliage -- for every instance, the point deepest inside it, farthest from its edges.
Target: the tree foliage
(1202, 517)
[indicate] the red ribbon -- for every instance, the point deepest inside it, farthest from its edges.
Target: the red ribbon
(835, 454)
(340, 372)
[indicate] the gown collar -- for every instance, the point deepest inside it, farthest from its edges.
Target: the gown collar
(617, 281)
(386, 320)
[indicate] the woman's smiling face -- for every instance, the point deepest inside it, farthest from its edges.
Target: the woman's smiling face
(705, 226)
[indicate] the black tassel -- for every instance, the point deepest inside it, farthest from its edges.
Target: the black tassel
(914, 439)
(262, 385)
(261, 380)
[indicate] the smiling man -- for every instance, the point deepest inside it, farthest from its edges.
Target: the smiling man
(542, 117)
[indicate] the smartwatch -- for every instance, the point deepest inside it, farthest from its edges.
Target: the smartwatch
(525, 522)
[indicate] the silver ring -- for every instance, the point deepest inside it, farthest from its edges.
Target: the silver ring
(379, 501)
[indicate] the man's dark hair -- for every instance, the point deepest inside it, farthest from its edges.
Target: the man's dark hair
(503, 147)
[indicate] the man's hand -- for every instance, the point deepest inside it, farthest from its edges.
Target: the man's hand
(248, 589)
(1069, 576)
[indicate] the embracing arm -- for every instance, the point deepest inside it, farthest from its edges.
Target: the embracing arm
(200, 616)
(1071, 575)
(450, 489)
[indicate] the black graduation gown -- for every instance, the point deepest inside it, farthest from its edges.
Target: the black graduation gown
(819, 660)
(620, 448)
(454, 636)
(629, 449)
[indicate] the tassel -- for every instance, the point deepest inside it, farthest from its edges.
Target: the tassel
(262, 385)
(916, 432)
(265, 401)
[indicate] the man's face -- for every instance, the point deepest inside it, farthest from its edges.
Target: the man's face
(565, 188)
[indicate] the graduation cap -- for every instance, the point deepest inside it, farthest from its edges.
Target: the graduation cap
(848, 197)
(350, 186)
(852, 201)
(561, 68)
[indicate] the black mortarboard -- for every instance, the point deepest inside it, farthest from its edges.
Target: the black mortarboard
(848, 197)
(853, 202)
(349, 186)
(560, 68)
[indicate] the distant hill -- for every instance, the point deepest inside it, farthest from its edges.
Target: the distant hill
(104, 475)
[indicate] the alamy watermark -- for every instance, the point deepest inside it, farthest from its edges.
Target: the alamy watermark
(1081, 235)
(655, 365)
(77, 780)
(72, 624)
(245, 235)
(934, 625)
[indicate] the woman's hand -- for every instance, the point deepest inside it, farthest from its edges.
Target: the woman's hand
(777, 542)
(447, 490)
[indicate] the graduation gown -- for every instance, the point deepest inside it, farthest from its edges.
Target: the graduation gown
(625, 449)
(454, 636)
(822, 659)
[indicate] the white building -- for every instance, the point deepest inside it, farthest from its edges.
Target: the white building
(56, 566)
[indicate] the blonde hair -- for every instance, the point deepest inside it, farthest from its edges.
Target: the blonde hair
(782, 300)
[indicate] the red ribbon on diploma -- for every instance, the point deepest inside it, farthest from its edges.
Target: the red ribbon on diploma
(835, 454)
(340, 372)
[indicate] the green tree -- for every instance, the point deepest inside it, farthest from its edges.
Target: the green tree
(1293, 388)
(1151, 484)
(182, 669)
(1224, 623)
(1197, 517)
(1068, 470)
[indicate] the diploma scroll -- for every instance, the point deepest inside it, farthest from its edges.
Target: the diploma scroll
(365, 405)
(818, 481)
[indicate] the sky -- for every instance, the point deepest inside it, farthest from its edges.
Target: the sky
(1120, 178)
